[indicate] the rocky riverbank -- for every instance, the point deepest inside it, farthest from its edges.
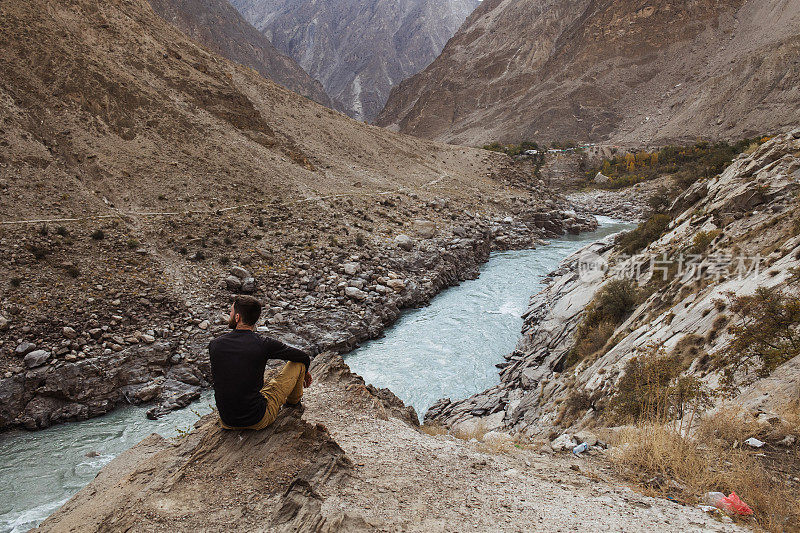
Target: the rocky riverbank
(744, 215)
(330, 281)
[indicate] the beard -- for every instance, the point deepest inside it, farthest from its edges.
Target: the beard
(231, 323)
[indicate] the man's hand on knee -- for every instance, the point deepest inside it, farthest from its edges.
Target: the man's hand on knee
(307, 380)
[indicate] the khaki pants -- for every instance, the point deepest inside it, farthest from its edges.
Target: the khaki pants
(285, 387)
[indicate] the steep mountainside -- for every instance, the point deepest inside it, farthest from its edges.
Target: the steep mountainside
(358, 50)
(218, 26)
(630, 72)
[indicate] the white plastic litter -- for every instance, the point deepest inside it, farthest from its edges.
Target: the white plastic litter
(754, 442)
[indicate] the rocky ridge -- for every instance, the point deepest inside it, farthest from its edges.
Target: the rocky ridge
(749, 209)
(358, 50)
(218, 26)
(629, 72)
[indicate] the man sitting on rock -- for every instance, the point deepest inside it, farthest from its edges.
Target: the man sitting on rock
(238, 360)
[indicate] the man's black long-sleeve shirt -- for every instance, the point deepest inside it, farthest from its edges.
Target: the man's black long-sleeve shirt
(238, 360)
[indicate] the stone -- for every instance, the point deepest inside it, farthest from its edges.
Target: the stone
(96, 333)
(204, 325)
(4, 323)
(354, 293)
(233, 283)
(396, 285)
(240, 272)
(563, 442)
(404, 242)
(149, 339)
(69, 333)
(424, 228)
(36, 358)
(24, 349)
(351, 269)
(601, 178)
(249, 285)
(586, 436)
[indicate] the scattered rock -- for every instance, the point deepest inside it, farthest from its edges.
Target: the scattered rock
(4, 323)
(24, 348)
(249, 285)
(355, 293)
(586, 436)
(396, 285)
(240, 272)
(404, 242)
(36, 358)
(69, 333)
(204, 325)
(351, 269)
(565, 442)
(233, 283)
(601, 178)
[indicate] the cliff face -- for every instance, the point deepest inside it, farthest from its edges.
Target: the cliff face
(746, 217)
(358, 50)
(219, 27)
(626, 72)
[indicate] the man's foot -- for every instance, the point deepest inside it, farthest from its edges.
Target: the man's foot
(297, 408)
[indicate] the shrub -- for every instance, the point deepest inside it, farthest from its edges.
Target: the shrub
(39, 252)
(702, 241)
(686, 164)
(16, 281)
(764, 334)
(132, 243)
(98, 235)
(652, 390)
(360, 241)
(61, 230)
(644, 234)
(609, 308)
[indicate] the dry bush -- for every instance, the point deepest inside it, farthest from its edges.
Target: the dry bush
(610, 307)
(665, 463)
(432, 429)
(730, 426)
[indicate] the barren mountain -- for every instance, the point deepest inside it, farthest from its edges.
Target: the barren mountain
(358, 50)
(630, 72)
(218, 26)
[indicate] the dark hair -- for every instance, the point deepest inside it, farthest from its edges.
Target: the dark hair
(249, 308)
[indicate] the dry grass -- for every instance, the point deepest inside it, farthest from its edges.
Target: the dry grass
(665, 463)
(433, 429)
